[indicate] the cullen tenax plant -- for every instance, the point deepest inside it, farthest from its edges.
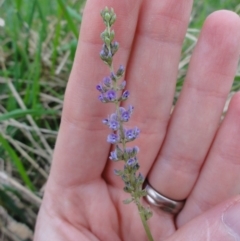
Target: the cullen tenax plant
(112, 90)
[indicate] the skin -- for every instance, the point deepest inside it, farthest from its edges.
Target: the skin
(185, 155)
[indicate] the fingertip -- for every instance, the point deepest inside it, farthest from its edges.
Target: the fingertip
(223, 20)
(218, 223)
(223, 29)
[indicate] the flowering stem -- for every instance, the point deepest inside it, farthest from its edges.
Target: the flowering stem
(145, 225)
(111, 92)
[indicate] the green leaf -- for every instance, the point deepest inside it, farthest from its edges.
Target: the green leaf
(17, 162)
(22, 113)
(74, 14)
(127, 201)
(68, 18)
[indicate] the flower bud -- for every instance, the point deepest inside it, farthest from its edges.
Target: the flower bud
(114, 47)
(112, 35)
(100, 88)
(125, 95)
(113, 76)
(111, 95)
(107, 17)
(120, 71)
(107, 81)
(107, 41)
(113, 19)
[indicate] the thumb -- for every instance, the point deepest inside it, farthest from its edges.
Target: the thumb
(221, 223)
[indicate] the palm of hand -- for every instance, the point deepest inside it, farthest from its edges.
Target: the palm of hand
(96, 214)
(83, 199)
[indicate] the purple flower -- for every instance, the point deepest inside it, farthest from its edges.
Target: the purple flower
(113, 138)
(107, 81)
(125, 94)
(113, 155)
(125, 116)
(114, 125)
(101, 98)
(100, 88)
(132, 134)
(111, 95)
(113, 122)
(122, 110)
(105, 121)
(132, 161)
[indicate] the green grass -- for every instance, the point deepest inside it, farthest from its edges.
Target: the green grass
(37, 48)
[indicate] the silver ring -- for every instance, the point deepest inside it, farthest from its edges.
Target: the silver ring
(166, 204)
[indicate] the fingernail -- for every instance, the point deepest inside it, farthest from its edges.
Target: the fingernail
(231, 218)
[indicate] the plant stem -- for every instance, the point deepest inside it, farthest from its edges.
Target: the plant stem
(145, 225)
(136, 199)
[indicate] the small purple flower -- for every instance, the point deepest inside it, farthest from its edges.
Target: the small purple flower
(113, 138)
(113, 122)
(125, 116)
(132, 134)
(114, 125)
(125, 94)
(113, 155)
(132, 161)
(101, 98)
(105, 121)
(107, 81)
(100, 88)
(111, 95)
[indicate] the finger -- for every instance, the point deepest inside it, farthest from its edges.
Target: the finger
(81, 149)
(197, 114)
(218, 224)
(152, 73)
(219, 179)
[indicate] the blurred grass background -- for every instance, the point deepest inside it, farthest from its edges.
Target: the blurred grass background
(38, 39)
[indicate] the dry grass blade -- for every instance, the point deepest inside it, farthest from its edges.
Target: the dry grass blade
(5, 179)
(26, 156)
(30, 119)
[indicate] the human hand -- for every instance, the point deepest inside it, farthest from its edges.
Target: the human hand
(185, 156)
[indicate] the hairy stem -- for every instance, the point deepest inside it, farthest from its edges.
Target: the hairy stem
(144, 221)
